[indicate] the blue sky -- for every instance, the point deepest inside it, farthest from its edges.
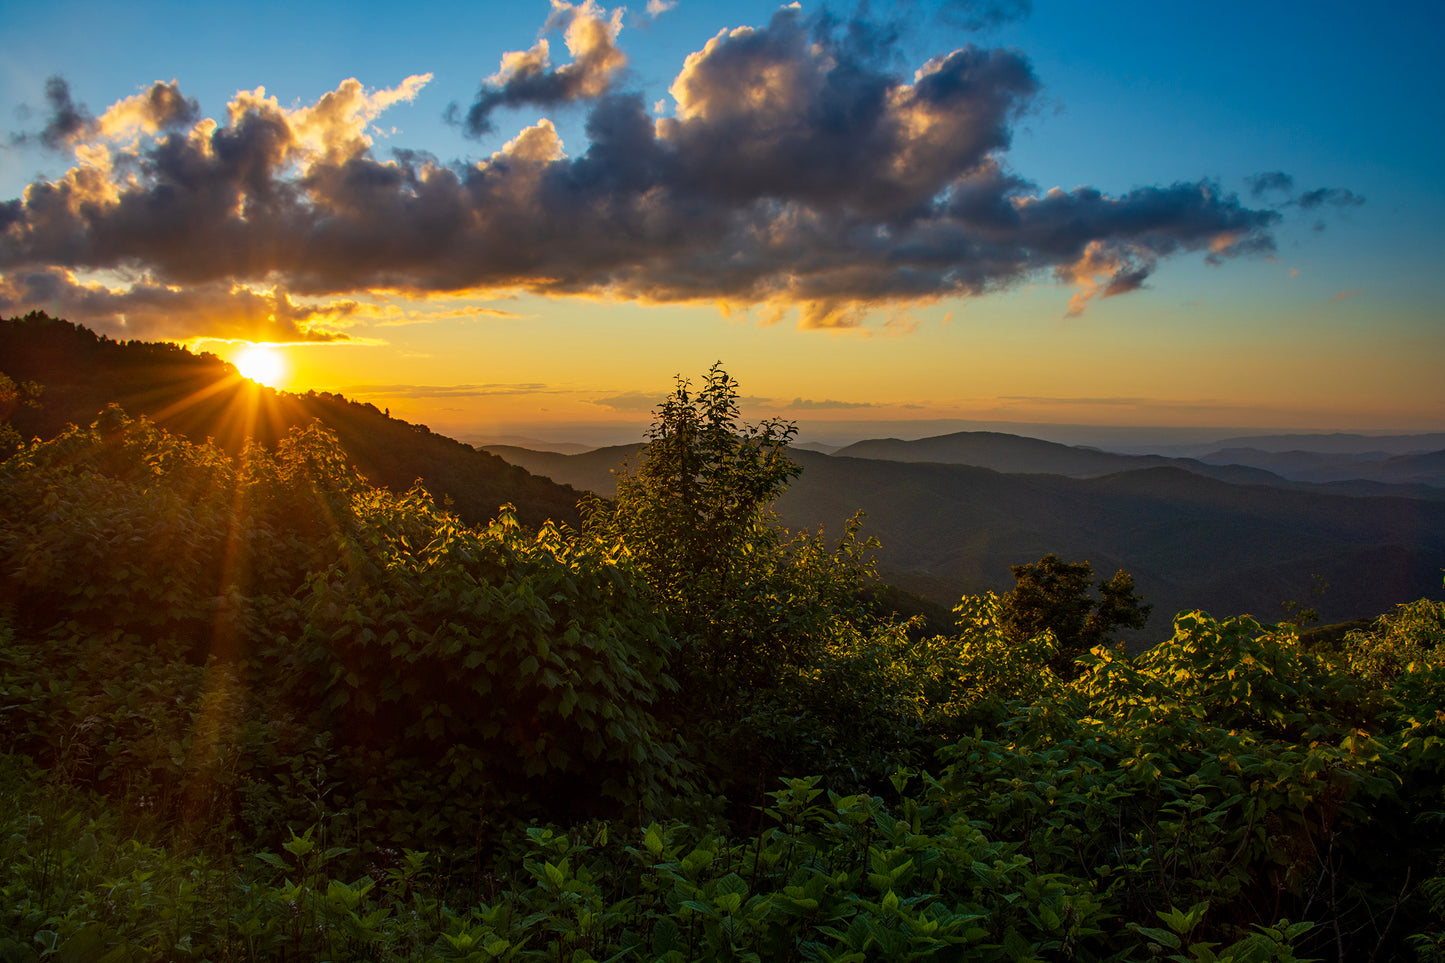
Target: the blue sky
(1337, 325)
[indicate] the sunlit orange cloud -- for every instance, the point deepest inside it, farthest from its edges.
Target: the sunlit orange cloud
(154, 109)
(1105, 272)
(142, 308)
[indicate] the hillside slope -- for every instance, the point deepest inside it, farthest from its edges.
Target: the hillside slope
(1422, 468)
(1190, 541)
(1414, 475)
(201, 397)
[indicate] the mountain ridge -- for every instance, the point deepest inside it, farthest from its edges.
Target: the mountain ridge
(1022, 455)
(1189, 540)
(200, 396)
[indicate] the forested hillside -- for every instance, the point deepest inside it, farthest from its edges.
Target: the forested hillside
(1016, 455)
(201, 397)
(946, 530)
(255, 708)
(1417, 475)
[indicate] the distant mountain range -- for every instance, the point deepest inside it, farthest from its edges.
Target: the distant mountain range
(1011, 453)
(1242, 466)
(1423, 468)
(1338, 443)
(1189, 540)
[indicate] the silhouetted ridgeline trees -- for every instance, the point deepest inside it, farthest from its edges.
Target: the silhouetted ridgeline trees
(200, 397)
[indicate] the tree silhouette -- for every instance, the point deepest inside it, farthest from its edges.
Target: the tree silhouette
(1053, 595)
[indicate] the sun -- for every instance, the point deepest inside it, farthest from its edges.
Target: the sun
(262, 363)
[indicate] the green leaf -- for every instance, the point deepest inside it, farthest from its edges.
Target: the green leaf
(653, 840)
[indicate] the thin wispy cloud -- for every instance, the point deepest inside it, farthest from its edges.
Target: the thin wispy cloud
(827, 404)
(1281, 186)
(1333, 196)
(798, 171)
(1270, 182)
(631, 402)
(1099, 401)
(447, 391)
(980, 15)
(404, 317)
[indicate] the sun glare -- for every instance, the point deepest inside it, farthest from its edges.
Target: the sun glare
(261, 363)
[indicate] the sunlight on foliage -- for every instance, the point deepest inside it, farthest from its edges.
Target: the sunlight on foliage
(255, 708)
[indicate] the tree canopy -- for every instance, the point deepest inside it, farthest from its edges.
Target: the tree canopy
(1054, 595)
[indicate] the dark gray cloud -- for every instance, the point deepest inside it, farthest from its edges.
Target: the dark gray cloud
(1278, 182)
(68, 120)
(984, 14)
(1270, 182)
(527, 78)
(798, 170)
(1333, 196)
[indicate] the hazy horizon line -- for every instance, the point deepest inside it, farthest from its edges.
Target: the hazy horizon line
(839, 433)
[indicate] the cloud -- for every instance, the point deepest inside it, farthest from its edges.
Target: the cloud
(71, 125)
(1103, 272)
(1334, 196)
(446, 391)
(798, 172)
(984, 14)
(805, 404)
(146, 310)
(527, 77)
(1113, 402)
(656, 8)
(68, 122)
(159, 107)
(631, 401)
(1346, 295)
(400, 318)
(1270, 182)
(1278, 182)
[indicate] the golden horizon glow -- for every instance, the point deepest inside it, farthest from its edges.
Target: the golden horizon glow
(261, 363)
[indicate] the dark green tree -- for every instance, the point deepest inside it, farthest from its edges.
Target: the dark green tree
(12, 398)
(697, 498)
(1055, 595)
(745, 596)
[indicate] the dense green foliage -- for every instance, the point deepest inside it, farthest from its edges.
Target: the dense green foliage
(277, 609)
(255, 708)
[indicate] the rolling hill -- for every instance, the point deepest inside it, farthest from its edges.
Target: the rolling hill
(1349, 473)
(1419, 468)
